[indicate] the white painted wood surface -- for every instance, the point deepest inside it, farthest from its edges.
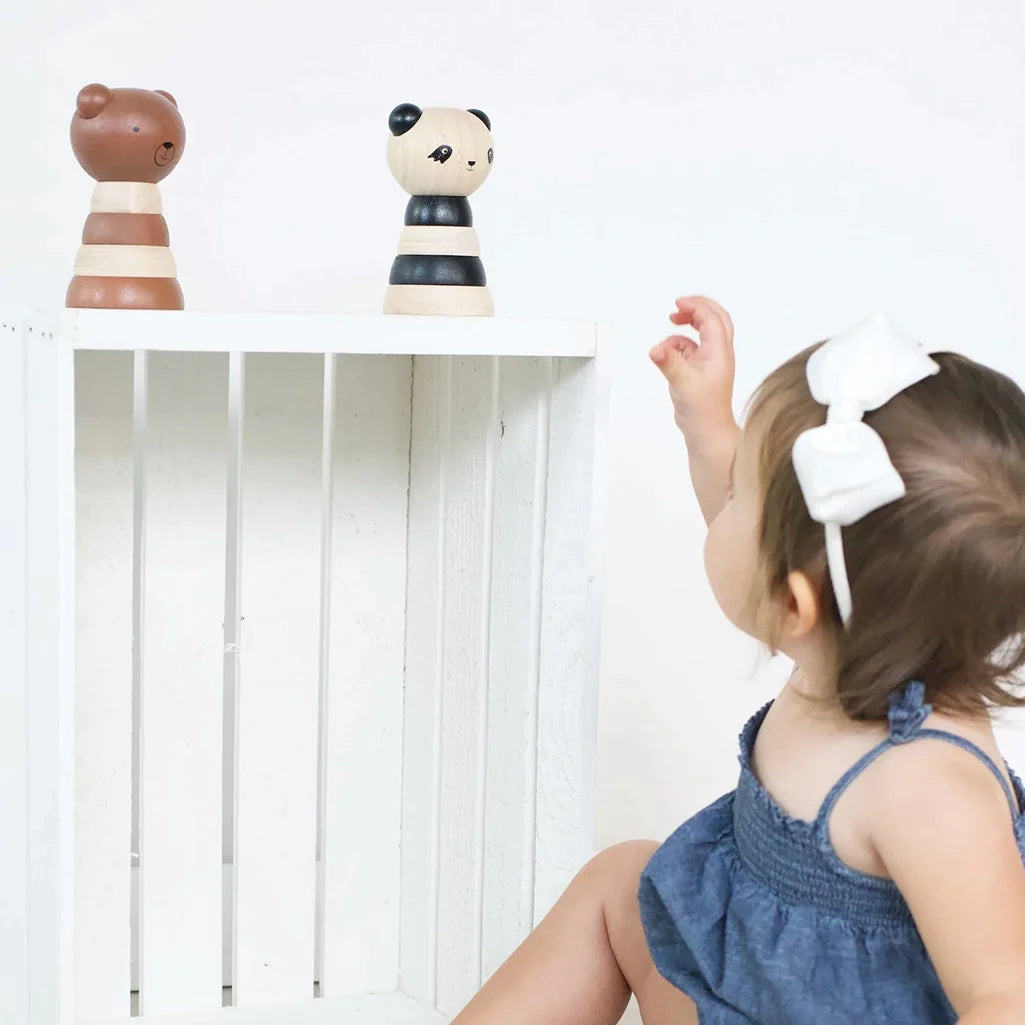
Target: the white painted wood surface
(278, 687)
(368, 476)
(103, 682)
(14, 902)
(182, 437)
(425, 614)
(372, 1009)
(466, 580)
(416, 664)
(501, 633)
(174, 331)
(570, 624)
(50, 670)
(521, 486)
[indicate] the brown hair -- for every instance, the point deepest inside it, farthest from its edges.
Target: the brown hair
(937, 577)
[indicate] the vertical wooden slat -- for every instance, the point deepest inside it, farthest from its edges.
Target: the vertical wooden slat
(327, 472)
(468, 483)
(140, 398)
(278, 683)
(567, 710)
(14, 965)
(232, 627)
(103, 685)
(50, 666)
(520, 490)
(182, 653)
(425, 611)
(363, 726)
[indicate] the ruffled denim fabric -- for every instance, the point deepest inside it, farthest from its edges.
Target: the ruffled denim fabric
(752, 913)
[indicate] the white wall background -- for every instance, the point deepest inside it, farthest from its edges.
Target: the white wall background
(804, 162)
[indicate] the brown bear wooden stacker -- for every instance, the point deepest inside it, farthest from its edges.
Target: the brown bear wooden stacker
(440, 156)
(128, 140)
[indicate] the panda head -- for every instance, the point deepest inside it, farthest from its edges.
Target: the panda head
(440, 151)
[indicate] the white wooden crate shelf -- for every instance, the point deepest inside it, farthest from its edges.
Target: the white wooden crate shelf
(160, 331)
(298, 659)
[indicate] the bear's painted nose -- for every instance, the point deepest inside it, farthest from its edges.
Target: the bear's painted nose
(168, 145)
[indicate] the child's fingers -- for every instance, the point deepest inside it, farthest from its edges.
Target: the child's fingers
(683, 344)
(686, 304)
(670, 356)
(666, 354)
(693, 308)
(724, 313)
(715, 335)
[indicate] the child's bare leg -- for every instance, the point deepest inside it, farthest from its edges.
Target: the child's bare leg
(582, 962)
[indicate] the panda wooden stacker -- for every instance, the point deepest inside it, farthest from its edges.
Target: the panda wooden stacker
(128, 140)
(439, 156)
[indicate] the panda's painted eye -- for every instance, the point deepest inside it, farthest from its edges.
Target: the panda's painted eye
(491, 156)
(441, 154)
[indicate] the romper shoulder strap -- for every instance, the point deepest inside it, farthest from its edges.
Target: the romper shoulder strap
(908, 711)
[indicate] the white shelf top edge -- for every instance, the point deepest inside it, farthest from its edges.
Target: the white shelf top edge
(176, 331)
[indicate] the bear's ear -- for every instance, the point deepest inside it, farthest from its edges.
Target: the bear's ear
(92, 100)
(482, 116)
(403, 117)
(166, 95)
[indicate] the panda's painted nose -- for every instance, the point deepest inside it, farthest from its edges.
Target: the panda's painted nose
(471, 162)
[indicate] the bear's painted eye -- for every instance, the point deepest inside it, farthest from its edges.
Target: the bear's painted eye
(135, 128)
(441, 154)
(491, 156)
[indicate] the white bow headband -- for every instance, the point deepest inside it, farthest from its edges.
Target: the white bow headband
(843, 467)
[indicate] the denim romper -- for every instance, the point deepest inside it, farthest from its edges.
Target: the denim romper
(753, 914)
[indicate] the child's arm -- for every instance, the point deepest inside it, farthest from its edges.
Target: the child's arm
(943, 830)
(700, 375)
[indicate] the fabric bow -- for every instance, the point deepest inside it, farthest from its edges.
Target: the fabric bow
(843, 467)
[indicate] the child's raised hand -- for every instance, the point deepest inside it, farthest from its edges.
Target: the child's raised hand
(700, 373)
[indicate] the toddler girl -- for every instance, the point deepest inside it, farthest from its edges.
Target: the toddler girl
(868, 522)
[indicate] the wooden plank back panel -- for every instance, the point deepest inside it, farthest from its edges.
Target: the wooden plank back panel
(103, 683)
(184, 463)
(501, 659)
(521, 480)
(466, 581)
(278, 684)
(567, 703)
(425, 609)
(14, 966)
(362, 714)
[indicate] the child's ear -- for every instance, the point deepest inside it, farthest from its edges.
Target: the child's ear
(802, 607)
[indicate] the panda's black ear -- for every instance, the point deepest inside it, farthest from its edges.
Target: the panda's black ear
(482, 116)
(403, 117)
